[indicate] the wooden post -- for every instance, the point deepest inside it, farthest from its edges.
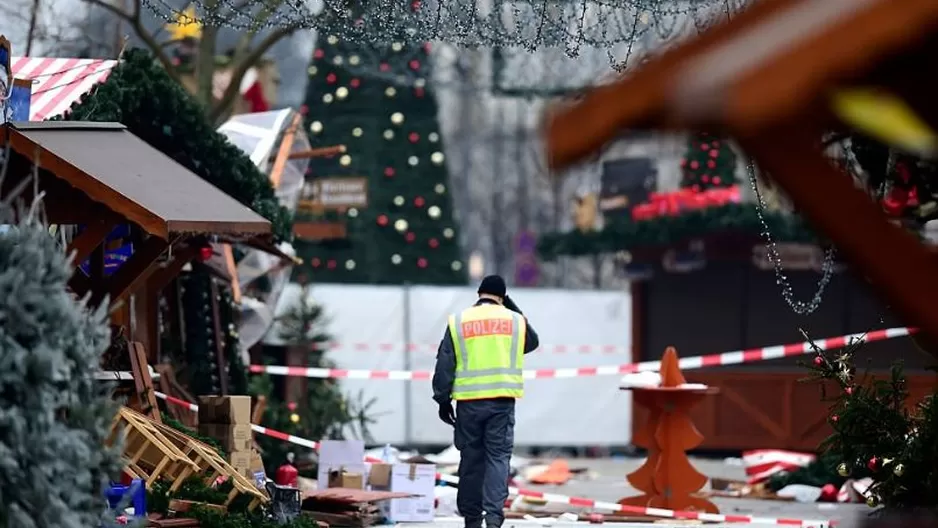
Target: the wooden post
(143, 383)
(667, 479)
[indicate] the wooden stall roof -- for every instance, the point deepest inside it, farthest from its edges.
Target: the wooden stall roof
(773, 59)
(115, 168)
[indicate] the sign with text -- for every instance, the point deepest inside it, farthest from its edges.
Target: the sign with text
(334, 193)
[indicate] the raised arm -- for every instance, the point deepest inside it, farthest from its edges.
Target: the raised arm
(445, 373)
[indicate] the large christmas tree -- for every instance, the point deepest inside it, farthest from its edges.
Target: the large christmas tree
(709, 162)
(377, 102)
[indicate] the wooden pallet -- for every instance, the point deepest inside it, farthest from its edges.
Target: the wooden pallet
(208, 463)
(148, 454)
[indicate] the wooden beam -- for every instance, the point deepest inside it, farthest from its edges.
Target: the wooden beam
(133, 273)
(321, 152)
(228, 254)
(81, 247)
(143, 383)
(163, 275)
(286, 145)
(219, 337)
(900, 269)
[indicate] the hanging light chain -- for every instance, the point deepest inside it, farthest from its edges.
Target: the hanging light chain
(827, 267)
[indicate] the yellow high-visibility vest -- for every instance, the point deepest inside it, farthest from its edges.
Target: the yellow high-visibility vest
(489, 343)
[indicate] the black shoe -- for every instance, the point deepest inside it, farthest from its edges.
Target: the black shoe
(473, 523)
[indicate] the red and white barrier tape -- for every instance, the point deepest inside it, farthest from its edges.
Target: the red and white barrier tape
(735, 357)
(554, 498)
(431, 348)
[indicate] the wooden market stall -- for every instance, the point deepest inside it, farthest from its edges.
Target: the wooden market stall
(771, 79)
(101, 179)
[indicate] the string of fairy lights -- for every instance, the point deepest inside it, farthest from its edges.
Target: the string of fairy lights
(572, 25)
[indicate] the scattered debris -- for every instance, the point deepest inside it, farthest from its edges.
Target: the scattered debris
(343, 507)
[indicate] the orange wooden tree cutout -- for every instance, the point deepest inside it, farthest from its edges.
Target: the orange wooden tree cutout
(667, 479)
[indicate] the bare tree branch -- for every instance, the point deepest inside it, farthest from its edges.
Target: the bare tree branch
(133, 18)
(241, 67)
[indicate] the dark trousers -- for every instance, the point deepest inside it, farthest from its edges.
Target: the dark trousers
(485, 437)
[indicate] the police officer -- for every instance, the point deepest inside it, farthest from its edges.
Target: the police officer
(479, 365)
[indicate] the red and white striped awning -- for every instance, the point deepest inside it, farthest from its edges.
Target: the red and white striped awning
(57, 83)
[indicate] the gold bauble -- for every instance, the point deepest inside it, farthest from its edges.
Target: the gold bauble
(843, 470)
(871, 501)
(295, 418)
(899, 470)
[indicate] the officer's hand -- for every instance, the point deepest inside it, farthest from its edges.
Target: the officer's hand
(447, 413)
(510, 304)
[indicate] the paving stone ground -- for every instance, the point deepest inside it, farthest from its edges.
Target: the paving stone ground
(610, 485)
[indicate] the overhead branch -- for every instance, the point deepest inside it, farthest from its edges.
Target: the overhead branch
(243, 64)
(133, 17)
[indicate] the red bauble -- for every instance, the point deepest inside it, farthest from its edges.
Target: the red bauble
(382, 220)
(683, 163)
(716, 180)
(818, 361)
(704, 147)
(828, 493)
(711, 164)
(421, 262)
(355, 83)
(206, 253)
(331, 78)
(389, 172)
(427, 47)
(315, 262)
(419, 201)
(849, 391)
(893, 207)
(415, 5)
(414, 64)
(318, 54)
(434, 243)
(694, 165)
(291, 406)
(304, 109)
(410, 237)
(705, 178)
(873, 464)
(834, 418)
(384, 67)
(413, 137)
(331, 264)
(418, 92)
(714, 153)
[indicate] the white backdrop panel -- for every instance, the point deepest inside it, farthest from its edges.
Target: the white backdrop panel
(369, 314)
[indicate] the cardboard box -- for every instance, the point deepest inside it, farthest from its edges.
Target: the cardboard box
(228, 410)
(341, 478)
(233, 438)
(341, 455)
(418, 479)
(241, 461)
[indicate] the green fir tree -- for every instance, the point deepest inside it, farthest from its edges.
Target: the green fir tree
(54, 416)
(878, 433)
(710, 162)
(377, 101)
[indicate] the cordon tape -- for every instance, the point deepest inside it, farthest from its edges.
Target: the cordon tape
(554, 498)
(735, 357)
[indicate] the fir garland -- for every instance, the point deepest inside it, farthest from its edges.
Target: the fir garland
(625, 234)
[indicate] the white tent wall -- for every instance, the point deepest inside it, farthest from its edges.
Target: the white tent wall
(576, 329)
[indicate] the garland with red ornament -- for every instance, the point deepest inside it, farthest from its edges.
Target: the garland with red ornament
(709, 163)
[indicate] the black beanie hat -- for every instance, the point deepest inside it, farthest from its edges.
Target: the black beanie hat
(493, 285)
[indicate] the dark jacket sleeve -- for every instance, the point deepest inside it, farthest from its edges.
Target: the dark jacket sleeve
(445, 373)
(531, 341)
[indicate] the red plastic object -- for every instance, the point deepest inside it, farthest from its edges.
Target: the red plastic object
(287, 475)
